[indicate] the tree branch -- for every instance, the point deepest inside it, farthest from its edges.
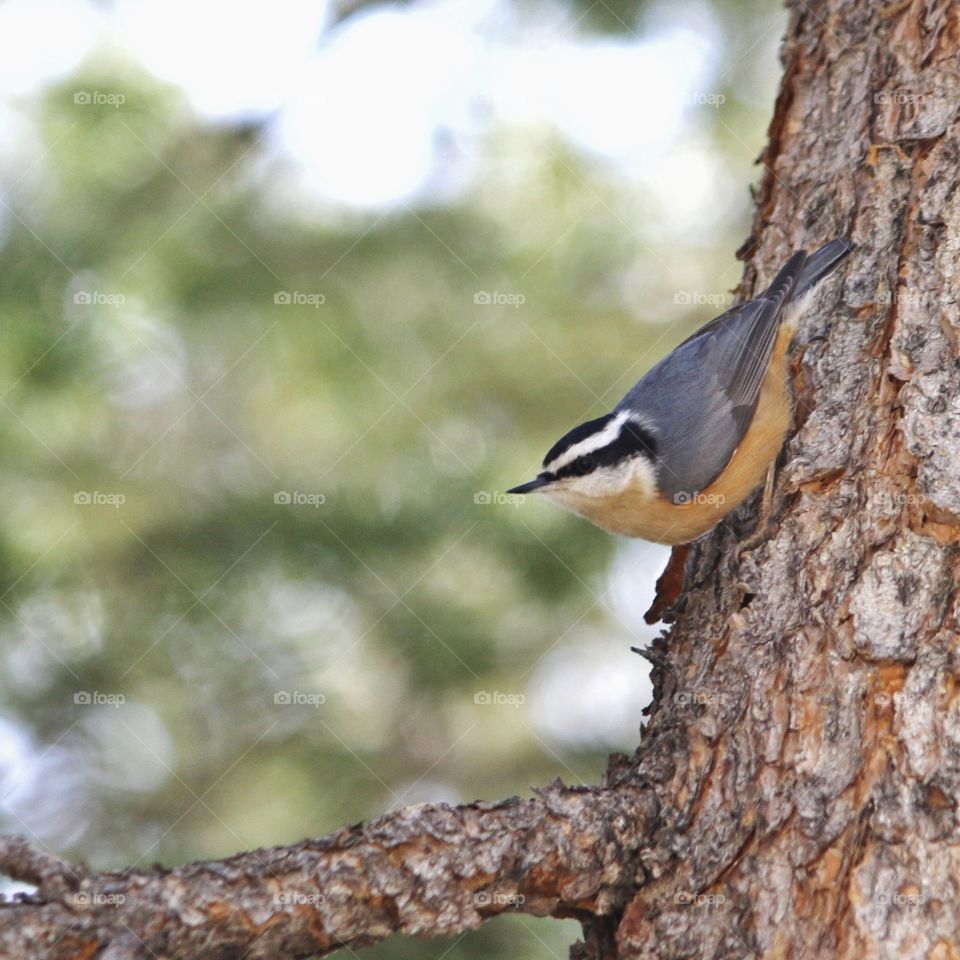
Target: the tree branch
(22, 860)
(428, 870)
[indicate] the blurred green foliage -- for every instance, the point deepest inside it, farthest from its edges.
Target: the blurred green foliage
(147, 356)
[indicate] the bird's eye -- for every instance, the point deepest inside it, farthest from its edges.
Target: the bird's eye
(583, 465)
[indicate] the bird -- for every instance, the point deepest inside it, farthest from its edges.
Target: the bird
(699, 432)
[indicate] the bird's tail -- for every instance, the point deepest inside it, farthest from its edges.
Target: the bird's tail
(819, 264)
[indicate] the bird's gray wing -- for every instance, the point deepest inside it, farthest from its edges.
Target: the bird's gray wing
(700, 400)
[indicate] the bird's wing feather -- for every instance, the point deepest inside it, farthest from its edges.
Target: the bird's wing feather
(700, 399)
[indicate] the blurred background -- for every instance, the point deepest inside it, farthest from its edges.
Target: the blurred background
(290, 293)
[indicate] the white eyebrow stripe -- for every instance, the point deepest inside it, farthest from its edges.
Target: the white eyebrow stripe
(595, 442)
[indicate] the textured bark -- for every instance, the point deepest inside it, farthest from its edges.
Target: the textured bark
(429, 870)
(796, 793)
(810, 780)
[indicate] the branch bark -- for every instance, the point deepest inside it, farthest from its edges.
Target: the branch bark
(798, 786)
(429, 870)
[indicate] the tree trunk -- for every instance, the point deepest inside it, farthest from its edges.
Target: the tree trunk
(796, 793)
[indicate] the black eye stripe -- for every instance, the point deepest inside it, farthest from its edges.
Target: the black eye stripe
(579, 467)
(632, 441)
(575, 435)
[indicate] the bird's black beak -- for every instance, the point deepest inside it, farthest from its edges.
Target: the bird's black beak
(532, 485)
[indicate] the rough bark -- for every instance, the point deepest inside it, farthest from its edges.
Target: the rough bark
(428, 870)
(810, 783)
(796, 792)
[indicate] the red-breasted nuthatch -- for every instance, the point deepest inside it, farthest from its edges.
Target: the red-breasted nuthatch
(697, 433)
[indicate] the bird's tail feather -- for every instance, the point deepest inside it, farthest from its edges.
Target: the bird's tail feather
(820, 263)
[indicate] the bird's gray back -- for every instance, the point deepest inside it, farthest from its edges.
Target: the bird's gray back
(699, 400)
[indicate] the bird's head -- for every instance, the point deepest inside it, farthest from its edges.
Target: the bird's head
(597, 459)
